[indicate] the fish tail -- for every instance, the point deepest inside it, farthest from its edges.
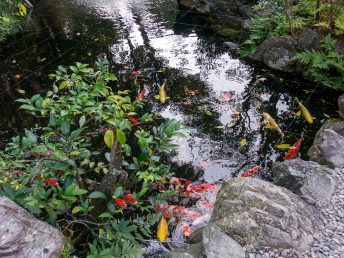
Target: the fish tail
(302, 134)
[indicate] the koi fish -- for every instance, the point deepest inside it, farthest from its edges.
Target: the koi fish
(293, 150)
(192, 91)
(202, 187)
(141, 95)
(162, 93)
(251, 171)
(178, 211)
(162, 231)
(306, 114)
(272, 123)
(131, 199)
(136, 73)
(133, 120)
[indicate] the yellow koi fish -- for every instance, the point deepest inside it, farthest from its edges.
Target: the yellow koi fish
(162, 231)
(306, 114)
(272, 123)
(162, 93)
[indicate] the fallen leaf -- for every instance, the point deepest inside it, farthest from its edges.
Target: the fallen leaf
(283, 146)
(243, 142)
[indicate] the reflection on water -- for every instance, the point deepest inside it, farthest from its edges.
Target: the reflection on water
(151, 36)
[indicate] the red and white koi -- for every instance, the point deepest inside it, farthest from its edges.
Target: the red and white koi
(294, 150)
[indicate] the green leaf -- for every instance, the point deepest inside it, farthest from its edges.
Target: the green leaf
(63, 85)
(31, 136)
(27, 107)
(120, 136)
(65, 128)
(45, 103)
(82, 121)
(109, 138)
(97, 195)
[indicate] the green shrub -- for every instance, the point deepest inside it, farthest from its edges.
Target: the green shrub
(57, 171)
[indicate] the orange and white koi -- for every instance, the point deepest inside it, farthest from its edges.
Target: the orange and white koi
(251, 171)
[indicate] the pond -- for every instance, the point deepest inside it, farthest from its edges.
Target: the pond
(227, 96)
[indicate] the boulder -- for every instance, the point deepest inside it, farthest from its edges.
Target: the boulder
(210, 242)
(277, 53)
(257, 213)
(193, 251)
(23, 236)
(309, 180)
(309, 39)
(341, 106)
(328, 145)
(216, 244)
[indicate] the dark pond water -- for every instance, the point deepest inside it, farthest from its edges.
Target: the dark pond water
(163, 43)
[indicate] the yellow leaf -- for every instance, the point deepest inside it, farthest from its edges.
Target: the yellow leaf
(22, 9)
(63, 85)
(162, 231)
(101, 232)
(18, 76)
(109, 138)
(283, 146)
(89, 53)
(109, 236)
(243, 142)
(75, 210)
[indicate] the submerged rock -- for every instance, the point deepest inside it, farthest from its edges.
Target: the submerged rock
(312, 182)
(23, 236)
(193, 251)
(258, 213)
(328, 145)
(277, 53)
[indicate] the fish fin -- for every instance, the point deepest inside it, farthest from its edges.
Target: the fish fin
(157, 97)
(270, 126)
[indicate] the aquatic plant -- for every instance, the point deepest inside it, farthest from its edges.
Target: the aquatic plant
(87, 170)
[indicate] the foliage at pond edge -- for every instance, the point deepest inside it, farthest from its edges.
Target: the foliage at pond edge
(87, 170)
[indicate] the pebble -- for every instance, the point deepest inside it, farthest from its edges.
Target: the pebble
(329, 243)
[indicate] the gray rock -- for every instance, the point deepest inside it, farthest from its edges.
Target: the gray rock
(258, 213)
(23, 236)
(308, 40)
(341, 106)
(328, 145)
(277, 53)
(216, 244)
(193, 251)
(312, 182)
